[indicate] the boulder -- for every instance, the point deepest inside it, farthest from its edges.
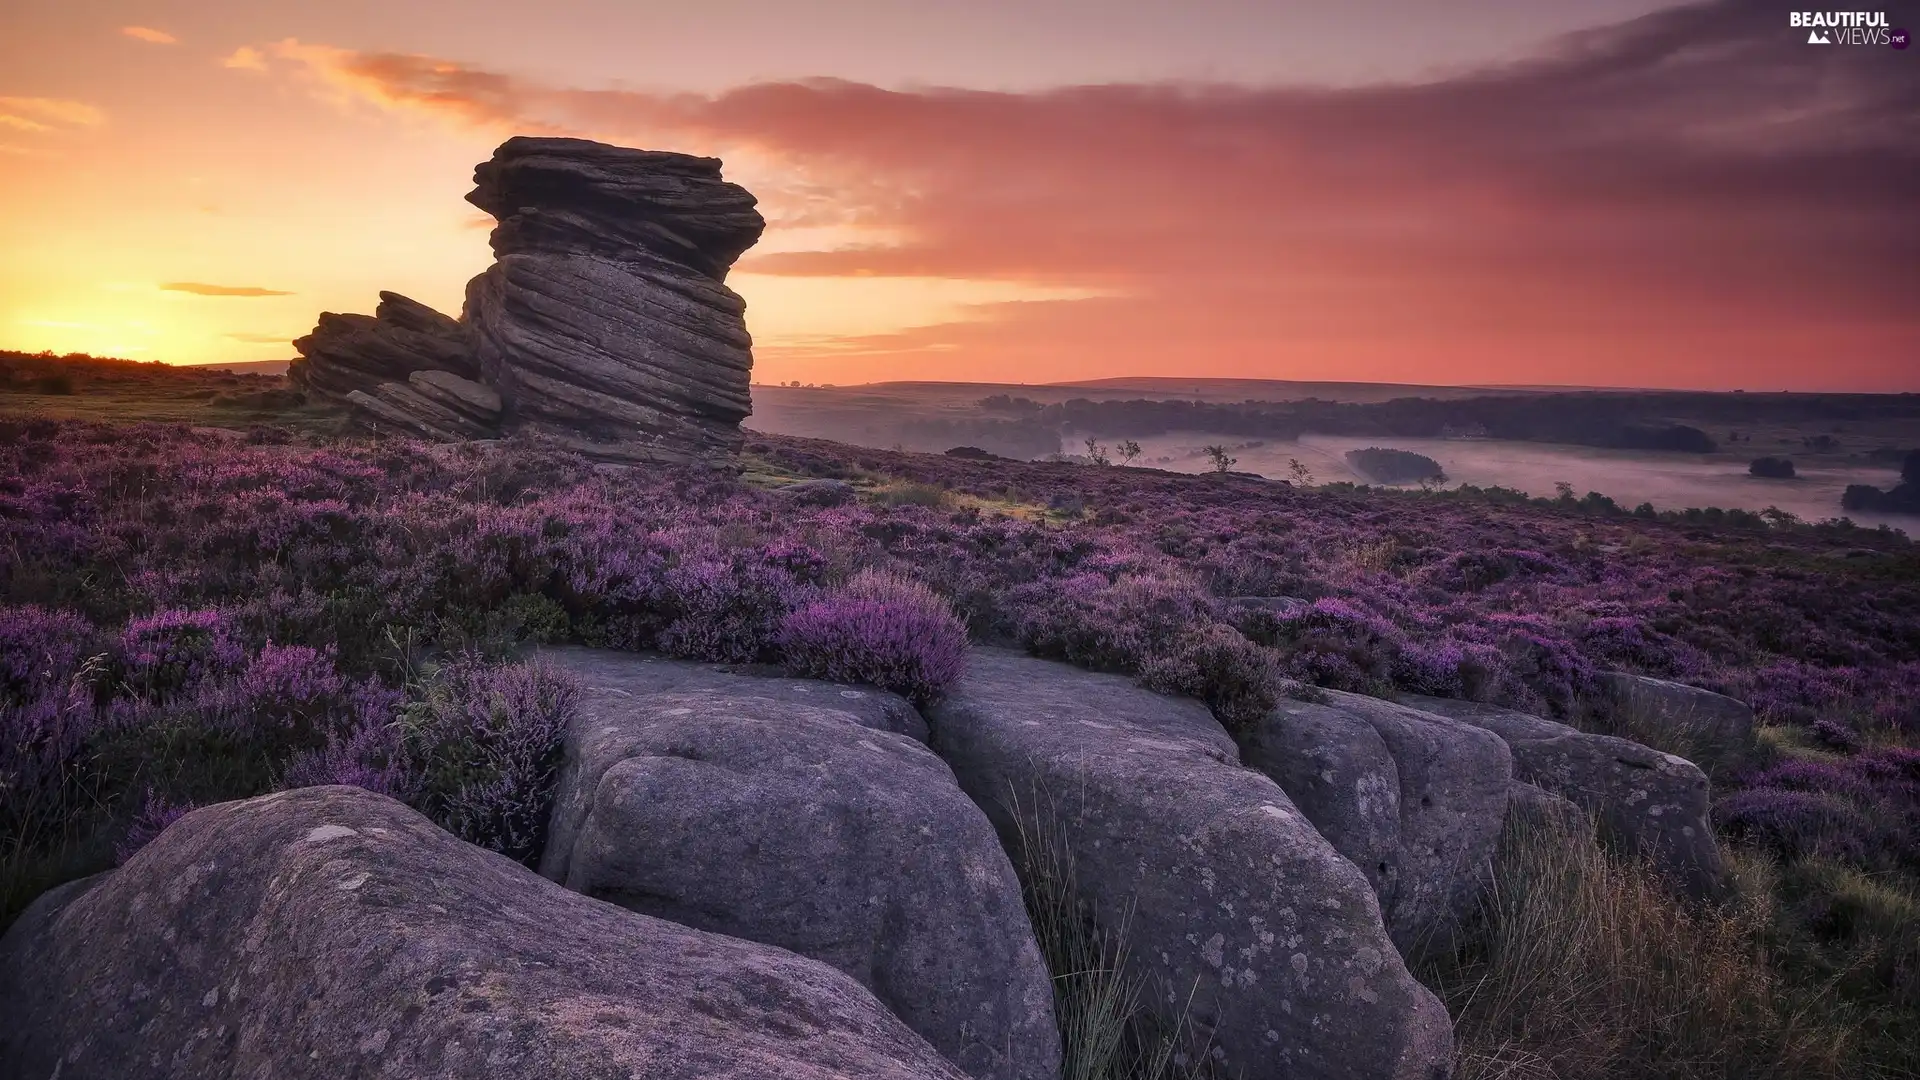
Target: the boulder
(1249, 932)
(1704, 716)
(332, 932)
(605, 321)
(775, 810)
(345, 353)
(1536, 806)
(823, 492)
(1416, 800)
(1645, 800)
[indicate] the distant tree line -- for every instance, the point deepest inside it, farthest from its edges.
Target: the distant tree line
(1616, 421)
(1387, 466)
(1902, 498)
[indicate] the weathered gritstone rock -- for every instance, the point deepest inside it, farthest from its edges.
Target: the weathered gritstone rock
(1416, 800)
(786, 812)
(399, 406)
(470, 399)
(1651, 802)
(1707, 716)
(346, 353)
(605, 320)
(331, 932)
(1235, 911)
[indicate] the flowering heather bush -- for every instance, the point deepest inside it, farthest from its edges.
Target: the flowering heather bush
(41, 650)
(40, 745)
(1115, 623)
(175, 650)
(155, 815)
(882, 629)
(482, 747)
(225, 578)
(367, 753)
(1863, 808)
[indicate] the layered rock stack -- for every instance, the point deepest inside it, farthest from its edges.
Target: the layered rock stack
(605, 321)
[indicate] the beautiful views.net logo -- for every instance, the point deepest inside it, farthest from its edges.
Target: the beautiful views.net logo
(1848, 28)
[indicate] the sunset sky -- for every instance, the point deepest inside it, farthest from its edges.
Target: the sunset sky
(1601, 192)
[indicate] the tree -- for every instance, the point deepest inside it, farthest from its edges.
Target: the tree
(1128, 451)
(1771, 468)
(1300, 473)
(1910, 469)
(1097, 453)
(1221, 462)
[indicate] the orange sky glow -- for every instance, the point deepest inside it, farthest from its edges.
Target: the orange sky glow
(1600, 193)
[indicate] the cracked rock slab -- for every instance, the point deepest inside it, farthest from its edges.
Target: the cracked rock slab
(1243, 922)
(784, 811)
(332, 932)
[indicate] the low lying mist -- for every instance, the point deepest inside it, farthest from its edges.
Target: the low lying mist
(1668, 481)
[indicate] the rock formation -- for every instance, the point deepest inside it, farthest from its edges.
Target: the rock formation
(1648, 802)
(1258, 940)
(782, 811)
(1706, 717)
(1414, 799)
(331, 932)
(605, 321)
(348, 353)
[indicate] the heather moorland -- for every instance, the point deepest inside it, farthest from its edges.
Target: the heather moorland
(196, 615)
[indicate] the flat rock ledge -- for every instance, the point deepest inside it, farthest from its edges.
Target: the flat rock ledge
(332, 932)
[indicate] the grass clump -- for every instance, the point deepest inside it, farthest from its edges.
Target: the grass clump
(1588, 967)
(1106, 1031)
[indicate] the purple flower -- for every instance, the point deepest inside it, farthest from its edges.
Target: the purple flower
(40, 649)
(173, 650)
(880, 629)
(155, 815)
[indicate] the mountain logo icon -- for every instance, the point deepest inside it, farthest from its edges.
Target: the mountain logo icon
(1818, 37)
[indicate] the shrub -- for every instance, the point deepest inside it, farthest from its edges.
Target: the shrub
(482, 746)
(880, 629)
(1794, 824)
(40, 768)
(1588, 967)
(155, 815)
(1107, 625)
(1387, 466)
(1239, 680)
(41, 650)
(174, 650)
(728, 611)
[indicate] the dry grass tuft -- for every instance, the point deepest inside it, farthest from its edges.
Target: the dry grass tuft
(1588, 967)
(1105, 1030)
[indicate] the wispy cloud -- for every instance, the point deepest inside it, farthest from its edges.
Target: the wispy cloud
(39, 114)
(245, 58)
(1656, 200)
(198, 288)
(149, 35)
